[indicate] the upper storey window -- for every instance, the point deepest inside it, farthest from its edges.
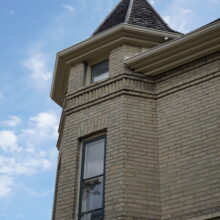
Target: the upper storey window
(100, 71)
(91, 205)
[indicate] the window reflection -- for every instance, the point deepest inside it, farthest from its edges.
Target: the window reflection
(94, 157)
(100, 71)
(92, 183)
(92, 194)
(95, 215)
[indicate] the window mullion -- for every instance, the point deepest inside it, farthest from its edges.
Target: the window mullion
(91, 201)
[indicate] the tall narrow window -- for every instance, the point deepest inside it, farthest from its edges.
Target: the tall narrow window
(100, 71)
(91, 205)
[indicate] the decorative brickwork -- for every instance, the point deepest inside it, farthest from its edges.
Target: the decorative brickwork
(159, 111)
(162, 143)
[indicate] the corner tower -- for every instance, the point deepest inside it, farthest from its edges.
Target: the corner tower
(108, 165)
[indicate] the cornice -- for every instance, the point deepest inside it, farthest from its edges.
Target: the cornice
(137, 85)
(92, 87)
(100, 45)
(110, 88)
(178, 52)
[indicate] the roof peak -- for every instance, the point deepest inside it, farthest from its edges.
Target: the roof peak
(129, 11)
(134, 12)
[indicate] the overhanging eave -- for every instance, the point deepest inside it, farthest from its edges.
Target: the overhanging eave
(177, 52)
(102, 43)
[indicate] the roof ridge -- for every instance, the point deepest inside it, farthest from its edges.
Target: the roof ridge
(129, 11)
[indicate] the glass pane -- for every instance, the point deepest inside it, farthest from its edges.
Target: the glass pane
(100, 76)
(86, 216)
(94, 159)
(92, 194)
(100, 71)
(95, 215)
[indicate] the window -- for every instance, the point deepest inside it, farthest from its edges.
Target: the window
(100, 71)
(91, 203)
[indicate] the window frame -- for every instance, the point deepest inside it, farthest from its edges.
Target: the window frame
(82, 180)
(92, 76)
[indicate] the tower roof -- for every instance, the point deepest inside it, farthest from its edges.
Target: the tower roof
(134, 12)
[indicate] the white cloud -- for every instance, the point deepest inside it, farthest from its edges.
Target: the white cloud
(13, 121)
(180, 21)
(43, 126)
(179, 15)
(45, 120)
(6, 184)
(8, 141)
(35, 156)
(68, 8)
(15, 166)
(38, 194)
(37, 65)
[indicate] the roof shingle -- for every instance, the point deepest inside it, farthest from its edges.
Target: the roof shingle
(134, 12)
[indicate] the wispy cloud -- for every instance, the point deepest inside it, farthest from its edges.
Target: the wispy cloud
(179, 15)
(6, 184)
(41, 51)
(13, 121)
(68, 8)
(45, 121)
(37, 64)
(27, 151)
(186, 15)
(35, 194)
(42, 127)
(12, 166)
(8, 141)
(180, 21)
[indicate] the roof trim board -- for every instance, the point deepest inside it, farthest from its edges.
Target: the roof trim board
(196, 44)
(104, 42)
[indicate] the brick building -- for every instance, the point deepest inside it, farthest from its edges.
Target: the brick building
(139, 137)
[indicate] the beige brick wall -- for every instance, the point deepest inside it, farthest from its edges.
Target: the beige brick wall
(117, 56)
(141, 174)
(189, 140)
(77, 125)
(163, 145)
(126, 124)
(76, 78)
(127, 192)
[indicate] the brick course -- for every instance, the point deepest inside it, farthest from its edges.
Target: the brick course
(163, 140)
(189, 141)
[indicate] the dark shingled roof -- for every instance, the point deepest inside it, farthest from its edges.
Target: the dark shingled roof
(134, 12)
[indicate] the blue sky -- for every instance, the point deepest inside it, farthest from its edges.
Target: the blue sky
(31, 34)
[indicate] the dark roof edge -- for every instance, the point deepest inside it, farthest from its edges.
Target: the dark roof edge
(175, 41)
(110, 13)
(129, 11)
(160, 17)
